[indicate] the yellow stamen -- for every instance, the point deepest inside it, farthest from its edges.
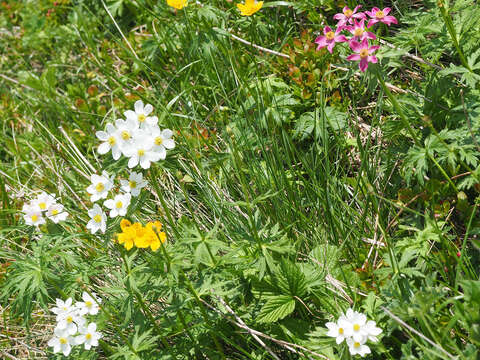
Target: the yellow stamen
(119, 204)
(141, 118)
(42, 206)
(100, 187)
(141, 152)
(34, 218)
(358, 32)
(348, 13)
(63, 340)
(88, 303)
(125, 135)
(356, 327)
(112, 140)
(356, 344)
(379, 14)
(54, 212)
(363, 53)
(330, 35)
(340, 331)
(158, 140)
(133, 184)
(97, 218)
(88, 336)
(69, 319)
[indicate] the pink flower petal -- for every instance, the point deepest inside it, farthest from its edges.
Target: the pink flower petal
(326, 29)
(390, 20)
(340, 38)
(372, 22)
(320, 40)
(355, 46)
(386, 11)
(373, 48)
(363, 65)
(373, 59)
(354, 57)
(330, 46)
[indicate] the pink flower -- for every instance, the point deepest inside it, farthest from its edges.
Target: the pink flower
(358, 31)
(348, 15)
(363, 53)
(378, 15)
(330, 38)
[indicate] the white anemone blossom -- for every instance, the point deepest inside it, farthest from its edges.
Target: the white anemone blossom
(358, 347)
(88, 336)
(118, 205)
(56, 214)
(43, 202)
(141, 115)
(98, 219)
(111, 141)
(134, 184)
(89, 305)
(141, 151)
(162, 141)
(100, 186)
(62, 341)
(63, 307)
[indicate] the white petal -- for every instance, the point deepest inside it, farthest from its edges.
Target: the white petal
(145, 163)
(110, 128)
(102, 135)
(169, 144)
(138, 106)
(147, 109)
(116, 153)
(133, 161)
(162, 153)
(131, 116)
(103, 148)
(167, 133)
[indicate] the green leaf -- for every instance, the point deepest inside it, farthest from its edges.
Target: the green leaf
(276, 308)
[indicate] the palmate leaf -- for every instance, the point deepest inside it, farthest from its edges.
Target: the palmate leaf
(276, 308)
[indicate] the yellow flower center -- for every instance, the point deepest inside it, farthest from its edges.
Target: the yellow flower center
(88, 336)
(356, 344)
(340, 331)
(54, 212)
(363, 53)
(141, 118)
(133, 184)
(34, 218)
(356, 327)
(119, 204)
(348, 13)
(69, 319)
(63, 340)
(112, 140)
(100, 187)
(65, 308)
(379, 14)
(358, 32)
(88, 303)
(125, 135)
(42, 206)
(97, 218)
(141, 152)
(158, 140)
(330, 35)
(177, 4)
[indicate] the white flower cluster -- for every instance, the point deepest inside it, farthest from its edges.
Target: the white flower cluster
(72, 327)
(43, 204)
(356, 330)
(118, 205)
(138, 138)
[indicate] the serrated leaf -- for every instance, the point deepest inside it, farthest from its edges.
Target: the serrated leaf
(276, 308)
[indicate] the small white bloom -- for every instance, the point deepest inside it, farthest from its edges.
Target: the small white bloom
(61, 342)
(337, 330)
(34, 218)
(372, 330)
(111, 141)
(358, 347)
(118, 205)
(126, 130)
(101, 185)
(98, 219)
(140, 115)
(55, 213)
(162, 141)
(88, 336)
(43, 202)
(63, 307)
(134, 184)
(140, 151)
(356, 328)
(70, 321)
(89, 305)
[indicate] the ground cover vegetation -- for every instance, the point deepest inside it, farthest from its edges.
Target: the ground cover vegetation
(239, 180)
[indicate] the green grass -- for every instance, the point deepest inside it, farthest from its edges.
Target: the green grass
(298, 187)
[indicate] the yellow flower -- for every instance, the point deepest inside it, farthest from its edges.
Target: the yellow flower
(250, 7)
(177, 4)
(127, 237)
(141, 236)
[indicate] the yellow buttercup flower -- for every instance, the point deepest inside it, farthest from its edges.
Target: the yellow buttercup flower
(143, 237)
(250, 7)
(177, 4)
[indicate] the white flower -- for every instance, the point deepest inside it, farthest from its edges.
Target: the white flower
(61, 342)
(356, 325)
(337, 330)
(358, 347)
(140, 115)
(126, 129)
(89, 305)
(98, 219)
(55, 213)
(140, 151)
(70, 321)
(134, 184)
(101, 185)
(162, 141)
(372, 330)
(118, 205)
(111, 141)
(88, 336)
(63, 307)
(42, 202)
(34, 218)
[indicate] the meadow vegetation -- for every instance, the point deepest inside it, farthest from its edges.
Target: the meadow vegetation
(201, 180)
